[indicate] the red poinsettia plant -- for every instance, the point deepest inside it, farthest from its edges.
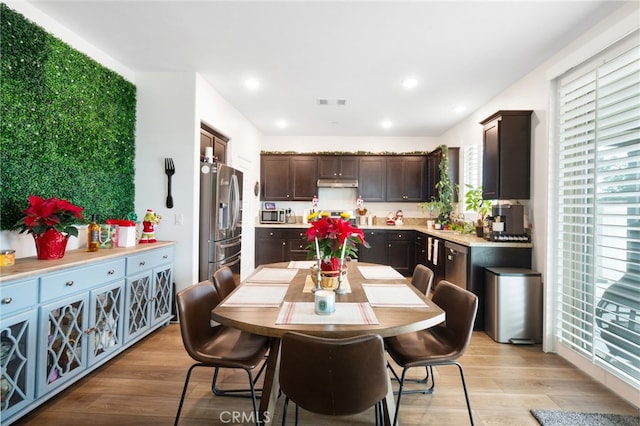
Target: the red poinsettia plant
(51, 213)
(331, 234)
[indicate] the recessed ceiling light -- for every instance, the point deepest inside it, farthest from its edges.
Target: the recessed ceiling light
(281, 124)
(386, 124)
(251, 83)
(409, 83)
(460, 108)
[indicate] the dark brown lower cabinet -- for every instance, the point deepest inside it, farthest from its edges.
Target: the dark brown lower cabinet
(279, 245)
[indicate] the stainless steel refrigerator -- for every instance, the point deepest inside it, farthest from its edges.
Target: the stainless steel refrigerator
(220, 219)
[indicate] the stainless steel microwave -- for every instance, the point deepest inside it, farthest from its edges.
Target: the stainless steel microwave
(273, 216)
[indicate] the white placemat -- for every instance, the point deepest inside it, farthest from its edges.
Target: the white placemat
(273, 275)
(301, 264)
(257, 295)
(380, 272)
(392, 296)
(346, 313)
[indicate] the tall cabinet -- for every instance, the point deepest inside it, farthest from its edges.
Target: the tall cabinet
(506, 160)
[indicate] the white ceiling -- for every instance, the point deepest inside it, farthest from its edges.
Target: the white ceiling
(461, 53)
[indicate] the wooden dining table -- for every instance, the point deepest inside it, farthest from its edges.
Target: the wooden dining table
(267, 318)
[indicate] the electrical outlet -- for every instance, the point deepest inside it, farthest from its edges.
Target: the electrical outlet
(179, 219)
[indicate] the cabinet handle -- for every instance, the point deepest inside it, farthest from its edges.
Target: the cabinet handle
(90, 330)
(166, 256)
(284, 243)
(69, 283)
(389, 245)
(271, 234)
(449, 257)
(111, 272)
(399, 235)
(7, 300)
(142, 263)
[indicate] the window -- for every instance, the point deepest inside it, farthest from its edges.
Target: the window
(597, 203)
(472, 167)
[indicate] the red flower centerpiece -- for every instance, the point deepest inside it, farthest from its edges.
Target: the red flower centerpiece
(51, 223)
(331, 239)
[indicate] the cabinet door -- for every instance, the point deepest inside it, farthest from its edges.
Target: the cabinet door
(332, 166)
(137, 305)
(378, 252)
(275, 177)
(406, 179)
(372, 178)
(490, 161)
(271, 246)
(64, 356)
(304, 174)
(162, 294)
(401, 251)
(17, 362)
(106, 317)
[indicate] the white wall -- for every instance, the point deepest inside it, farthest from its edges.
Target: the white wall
(165, 127)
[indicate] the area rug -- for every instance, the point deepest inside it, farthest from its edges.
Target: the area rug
(573, 418)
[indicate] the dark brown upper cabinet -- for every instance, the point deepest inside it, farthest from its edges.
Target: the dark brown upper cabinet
(288, 177)
(506, 159)
(338, 166)
(372, 178)
(406, 178)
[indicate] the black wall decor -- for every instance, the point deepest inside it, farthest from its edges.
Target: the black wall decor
(67, 125)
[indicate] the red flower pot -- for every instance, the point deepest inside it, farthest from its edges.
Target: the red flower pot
(51, 245)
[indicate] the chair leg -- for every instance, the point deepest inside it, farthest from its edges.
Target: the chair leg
(254, 399)
(184, 390)
(225, 392)
(284, 410)
(466, 394)
(429, 374)
(395, 416)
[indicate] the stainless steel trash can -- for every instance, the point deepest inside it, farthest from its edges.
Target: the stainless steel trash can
(513, 305)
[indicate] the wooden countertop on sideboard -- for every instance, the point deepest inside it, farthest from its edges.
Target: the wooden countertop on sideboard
(31, 266)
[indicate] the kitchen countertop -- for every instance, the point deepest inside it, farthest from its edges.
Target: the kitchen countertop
(468, 240)
(27, 267)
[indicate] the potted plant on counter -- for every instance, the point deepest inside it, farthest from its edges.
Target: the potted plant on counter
(474, 202)
(51, 222)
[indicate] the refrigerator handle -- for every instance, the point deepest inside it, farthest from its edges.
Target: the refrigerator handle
(235, 194)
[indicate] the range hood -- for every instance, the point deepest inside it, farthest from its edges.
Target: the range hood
(337, 183)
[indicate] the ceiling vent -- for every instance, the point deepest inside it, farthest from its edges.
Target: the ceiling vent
(337, 102)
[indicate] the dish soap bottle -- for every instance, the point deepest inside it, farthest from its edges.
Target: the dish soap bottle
(93, 236)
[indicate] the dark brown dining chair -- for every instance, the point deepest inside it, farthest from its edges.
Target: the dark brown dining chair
(216, 346)
(422, 279)
(337, 377)
(439, 345)
(224, 282)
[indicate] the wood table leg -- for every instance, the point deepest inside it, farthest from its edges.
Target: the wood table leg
(271, 386)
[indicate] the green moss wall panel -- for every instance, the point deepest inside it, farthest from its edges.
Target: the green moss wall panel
(67, 125)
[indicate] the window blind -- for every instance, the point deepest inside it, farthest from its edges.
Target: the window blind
(471, 158)
(597, 272)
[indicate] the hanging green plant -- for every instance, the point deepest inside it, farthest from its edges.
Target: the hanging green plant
(445, 188)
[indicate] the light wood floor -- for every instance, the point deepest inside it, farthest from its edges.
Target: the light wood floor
(142, 387)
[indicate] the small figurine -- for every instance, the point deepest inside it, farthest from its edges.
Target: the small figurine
(148, 227)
